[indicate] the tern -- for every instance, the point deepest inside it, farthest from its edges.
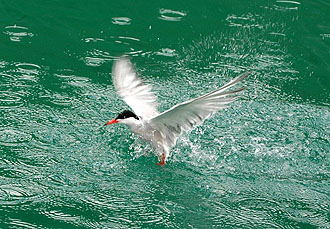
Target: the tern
(163, 129)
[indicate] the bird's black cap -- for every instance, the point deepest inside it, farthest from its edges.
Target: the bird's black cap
(127, 114)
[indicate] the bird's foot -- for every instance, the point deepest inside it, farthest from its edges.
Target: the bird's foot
(162, 161)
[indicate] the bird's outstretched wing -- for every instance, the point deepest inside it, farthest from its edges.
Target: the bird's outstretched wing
(133, 91)
(186, 115)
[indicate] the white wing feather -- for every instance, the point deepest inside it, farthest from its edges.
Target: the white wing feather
(131, 88)
(186, 115)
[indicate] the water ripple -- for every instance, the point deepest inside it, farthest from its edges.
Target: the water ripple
(121, 21)
(59, 215)
(129, 38)
(94, 61)
(125, 44)
(14, 195)
(96, 58)
(247, 20)
(70, 79)
(17, 33)
(5, 77)
(9, 99)
(18, 223)
(11, 137)
(286, 5)
(58, 99)
(28, 68)
(90, 39)
(166, 52)
(171, 15)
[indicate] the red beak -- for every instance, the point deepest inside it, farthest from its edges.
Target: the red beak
(113, 121)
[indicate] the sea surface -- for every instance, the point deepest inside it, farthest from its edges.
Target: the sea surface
(262, 163)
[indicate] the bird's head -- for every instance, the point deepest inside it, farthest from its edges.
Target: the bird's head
(126, 117)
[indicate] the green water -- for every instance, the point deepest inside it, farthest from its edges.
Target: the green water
(263, 163)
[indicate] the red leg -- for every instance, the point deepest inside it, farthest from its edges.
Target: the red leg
(162, 161)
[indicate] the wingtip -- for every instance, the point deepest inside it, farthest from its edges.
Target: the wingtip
(121, 60)
(122, 65)
(243, 75)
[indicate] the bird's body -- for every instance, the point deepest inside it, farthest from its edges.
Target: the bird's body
(163, 129)
(149, 132)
